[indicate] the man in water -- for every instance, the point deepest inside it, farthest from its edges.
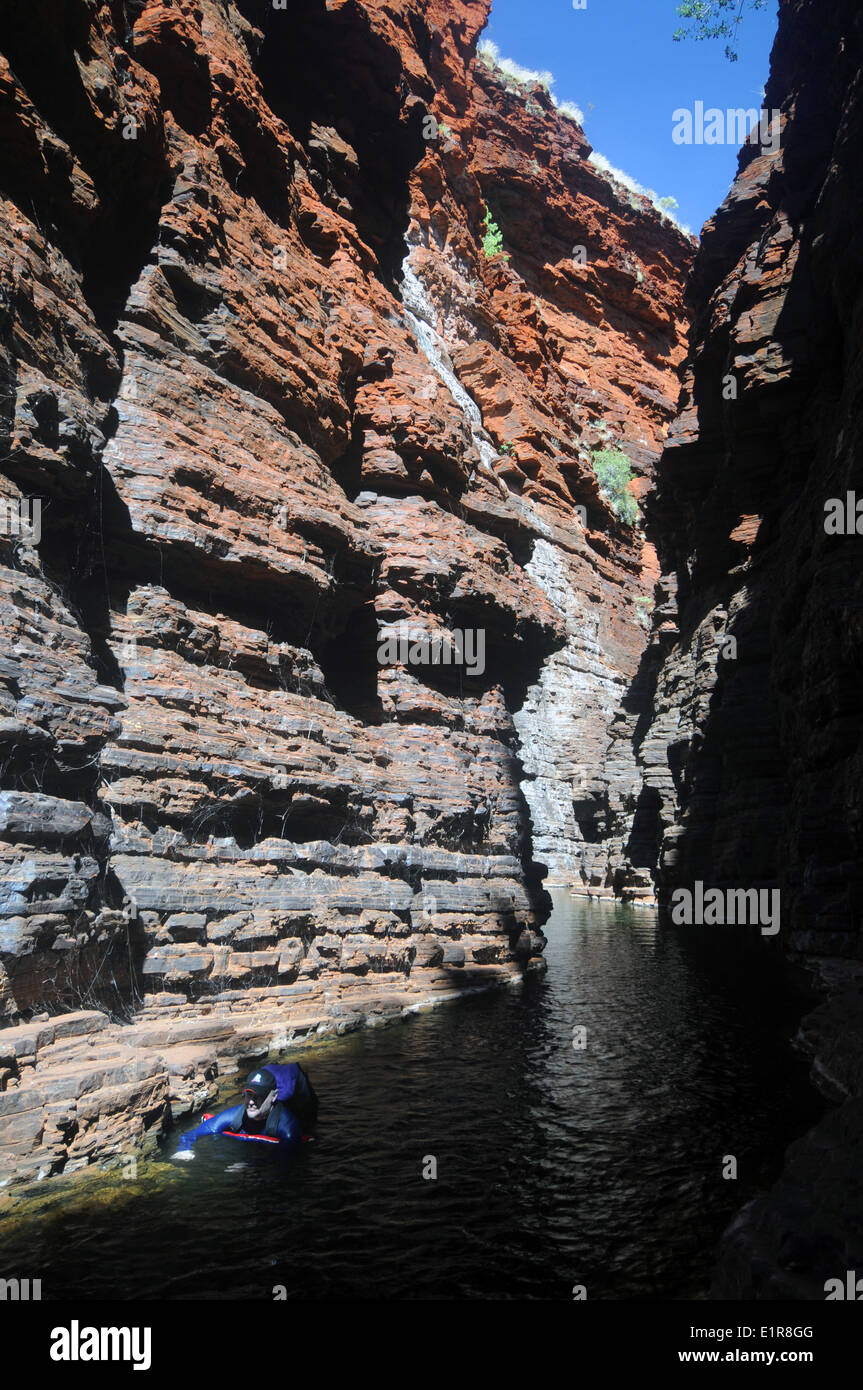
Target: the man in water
(277, 1102)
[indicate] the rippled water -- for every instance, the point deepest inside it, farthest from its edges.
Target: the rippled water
(555, 1167)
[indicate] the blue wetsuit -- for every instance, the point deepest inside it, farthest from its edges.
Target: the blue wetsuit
(280, 1124)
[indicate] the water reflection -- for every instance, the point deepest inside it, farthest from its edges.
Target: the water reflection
(555, 1166)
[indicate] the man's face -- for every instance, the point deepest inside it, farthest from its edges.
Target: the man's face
(257, 1107)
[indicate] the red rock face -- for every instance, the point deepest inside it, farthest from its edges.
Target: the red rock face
(277, 404)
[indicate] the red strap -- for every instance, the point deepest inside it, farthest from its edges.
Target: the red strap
(261, 1138)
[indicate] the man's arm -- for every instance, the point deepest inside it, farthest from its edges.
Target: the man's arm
(226, 1119)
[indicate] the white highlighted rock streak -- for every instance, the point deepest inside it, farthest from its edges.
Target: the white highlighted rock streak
(421, 316)
(564, 727)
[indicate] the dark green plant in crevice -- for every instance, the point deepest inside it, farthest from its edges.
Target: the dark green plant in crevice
(614, 474)
(492, 242)
(644, 606)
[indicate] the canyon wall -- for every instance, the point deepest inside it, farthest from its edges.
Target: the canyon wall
(275, 403)
(751, 753)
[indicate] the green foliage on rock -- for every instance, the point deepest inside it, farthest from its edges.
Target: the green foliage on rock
(643, 609)
(614, 475)
(492, 242)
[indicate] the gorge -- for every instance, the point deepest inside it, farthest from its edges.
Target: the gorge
(278, 403)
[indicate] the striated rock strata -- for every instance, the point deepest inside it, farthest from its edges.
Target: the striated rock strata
(274, 403)
(750, 749)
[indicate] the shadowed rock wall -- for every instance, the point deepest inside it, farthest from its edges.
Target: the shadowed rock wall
(751, 755)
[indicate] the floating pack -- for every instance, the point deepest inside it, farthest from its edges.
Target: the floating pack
(294, 1089)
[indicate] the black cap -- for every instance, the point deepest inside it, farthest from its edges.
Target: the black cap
(260, 1083)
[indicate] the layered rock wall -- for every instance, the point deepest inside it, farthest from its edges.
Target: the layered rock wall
(275, 404)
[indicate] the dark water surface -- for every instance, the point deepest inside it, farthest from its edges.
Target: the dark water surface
(555, 1167)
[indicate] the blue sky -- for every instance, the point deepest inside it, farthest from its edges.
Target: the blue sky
(617, 61)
